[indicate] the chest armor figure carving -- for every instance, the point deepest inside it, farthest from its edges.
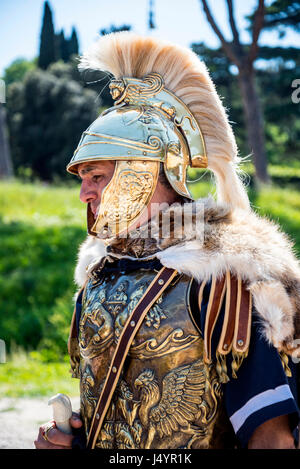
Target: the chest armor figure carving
(166, 397)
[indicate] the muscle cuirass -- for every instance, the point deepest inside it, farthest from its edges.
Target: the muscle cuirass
(167, 396)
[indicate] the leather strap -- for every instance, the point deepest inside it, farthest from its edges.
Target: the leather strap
(73, 335)
(73, 332)
(215, 301)
(225, 343)
(134, 321)
(241, 339)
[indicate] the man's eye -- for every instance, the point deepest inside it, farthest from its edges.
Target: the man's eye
(97, 178)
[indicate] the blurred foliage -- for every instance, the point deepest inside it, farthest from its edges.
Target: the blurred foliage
(276, 69)
(18, 69)
(41, 228)
(115, 29)
(280, 15)
(283, 206)
(46, 114)
(47, 39)
(54, 47)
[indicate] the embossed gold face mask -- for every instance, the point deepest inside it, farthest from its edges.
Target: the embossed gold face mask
(126, 197)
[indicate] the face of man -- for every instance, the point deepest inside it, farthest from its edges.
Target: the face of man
(94, 178)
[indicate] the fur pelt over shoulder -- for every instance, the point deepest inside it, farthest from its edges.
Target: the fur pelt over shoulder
(238, 241)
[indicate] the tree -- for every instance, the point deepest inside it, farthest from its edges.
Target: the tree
(47, 53)
(243, 57)
(47, 113)
(278, 68)
(115, 29)
(282, 14)
(6, 170)
(151, 23)
(66, 47)
(225, 80)
(62, 49)
(17, 70)
(54, 47)
(73, 43)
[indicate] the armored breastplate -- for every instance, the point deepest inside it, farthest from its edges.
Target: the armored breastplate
(167, 397)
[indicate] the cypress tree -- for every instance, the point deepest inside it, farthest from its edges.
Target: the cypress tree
(63, 47)
(73, 43)
(47, 43)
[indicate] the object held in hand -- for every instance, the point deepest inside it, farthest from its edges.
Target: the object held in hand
(62, 412)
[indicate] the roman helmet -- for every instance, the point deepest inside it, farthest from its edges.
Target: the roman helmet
(166, 112)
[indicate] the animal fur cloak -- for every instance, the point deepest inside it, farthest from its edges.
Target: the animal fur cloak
(236, 240)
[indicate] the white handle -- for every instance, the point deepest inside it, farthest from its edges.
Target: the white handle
(62, 412)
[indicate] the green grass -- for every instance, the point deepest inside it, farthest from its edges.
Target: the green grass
(25, 375)
(282, 206)
(41, 205)
(41, 228)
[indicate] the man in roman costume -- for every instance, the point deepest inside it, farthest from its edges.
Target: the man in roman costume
(211, 362)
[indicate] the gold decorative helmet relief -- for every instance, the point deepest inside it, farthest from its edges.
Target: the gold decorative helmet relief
(150, 91)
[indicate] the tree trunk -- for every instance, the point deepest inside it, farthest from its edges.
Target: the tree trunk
(254, 123)
(6, 169)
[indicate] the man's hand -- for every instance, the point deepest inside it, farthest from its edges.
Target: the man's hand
(56, 438)
(273, 434)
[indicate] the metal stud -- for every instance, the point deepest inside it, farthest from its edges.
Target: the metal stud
(114, 369)
(97, 416)
(161, 281)
(240, 343)
(225, 346)
(132, 323)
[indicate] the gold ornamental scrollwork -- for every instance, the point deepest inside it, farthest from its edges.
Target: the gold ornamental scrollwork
(136, 183)
(132, 93)
(151, 91)
(175, 341)
(104, 315)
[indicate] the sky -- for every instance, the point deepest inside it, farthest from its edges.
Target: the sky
(179, 21)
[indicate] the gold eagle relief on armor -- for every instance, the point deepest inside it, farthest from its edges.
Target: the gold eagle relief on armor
(185, 403)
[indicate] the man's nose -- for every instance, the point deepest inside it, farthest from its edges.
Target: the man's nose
(87, 192)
